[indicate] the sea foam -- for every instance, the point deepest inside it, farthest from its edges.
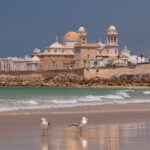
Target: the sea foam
(146, 92)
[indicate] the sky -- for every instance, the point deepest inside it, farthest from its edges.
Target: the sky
(29, 24)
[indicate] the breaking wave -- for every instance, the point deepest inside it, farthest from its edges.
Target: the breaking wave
(98, 97)
(146, 92)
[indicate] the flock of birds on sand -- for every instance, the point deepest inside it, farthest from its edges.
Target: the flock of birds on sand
(45, 124)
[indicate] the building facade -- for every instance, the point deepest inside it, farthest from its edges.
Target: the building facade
(76, 52)
(20, 64)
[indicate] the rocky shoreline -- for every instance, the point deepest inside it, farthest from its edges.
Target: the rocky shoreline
(70, 79)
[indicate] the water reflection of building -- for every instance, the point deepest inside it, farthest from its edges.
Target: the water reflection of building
(113, 137)
(110, 136)
(128, 130)
(105, 137)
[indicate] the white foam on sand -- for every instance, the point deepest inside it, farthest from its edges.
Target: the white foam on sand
(146, 92)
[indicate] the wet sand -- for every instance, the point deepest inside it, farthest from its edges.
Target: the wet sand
(110, 127)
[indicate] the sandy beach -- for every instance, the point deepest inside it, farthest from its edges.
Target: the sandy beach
(110, 127)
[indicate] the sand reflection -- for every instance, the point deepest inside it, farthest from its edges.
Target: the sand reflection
(104, 136)
(76, 140)
(101, 137)
(45, 143)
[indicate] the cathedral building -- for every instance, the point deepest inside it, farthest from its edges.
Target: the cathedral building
(77, 52)
(59, 56)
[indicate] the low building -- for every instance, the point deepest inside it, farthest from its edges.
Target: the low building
(5, 64)
(34, 64)
(134, 60)
(19, 64)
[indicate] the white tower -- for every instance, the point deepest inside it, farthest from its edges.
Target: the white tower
(112, 36)
(83, 34)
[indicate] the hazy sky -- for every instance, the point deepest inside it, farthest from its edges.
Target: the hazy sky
(26, 24)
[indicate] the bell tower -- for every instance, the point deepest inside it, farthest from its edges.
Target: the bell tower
(83, 34)
(112, 36)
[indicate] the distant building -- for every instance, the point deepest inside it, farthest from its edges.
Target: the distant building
(77, 52)
(96, 55)
(58, 56)
(34, 64)
(19, 64)
(134, 59)
(5, 64)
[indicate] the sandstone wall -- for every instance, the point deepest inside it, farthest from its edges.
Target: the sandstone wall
(108, 73)
(49, 74)
(53, 73)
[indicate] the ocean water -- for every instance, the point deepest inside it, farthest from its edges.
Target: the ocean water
(18, 98)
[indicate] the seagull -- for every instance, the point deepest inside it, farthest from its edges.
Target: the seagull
(80, 124)
(45, 125)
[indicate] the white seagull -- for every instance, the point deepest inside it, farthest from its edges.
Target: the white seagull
(45, 125)
(80, 124)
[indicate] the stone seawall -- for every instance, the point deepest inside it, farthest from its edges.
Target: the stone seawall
(108, 73)
(40, 78)
(137, 76)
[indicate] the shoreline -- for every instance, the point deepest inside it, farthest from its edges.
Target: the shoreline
(82, 86)
(60, 118)
(105, 123)
(88, 109)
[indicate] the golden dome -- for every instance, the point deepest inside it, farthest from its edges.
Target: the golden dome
(72, 35)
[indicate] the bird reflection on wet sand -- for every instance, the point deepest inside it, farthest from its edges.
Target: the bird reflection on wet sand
(76, 139)
(45, 143)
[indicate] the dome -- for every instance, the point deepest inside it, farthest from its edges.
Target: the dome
(35, 59)
(71, 35)
(56, 45)
(112, 28)
(81, 29)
